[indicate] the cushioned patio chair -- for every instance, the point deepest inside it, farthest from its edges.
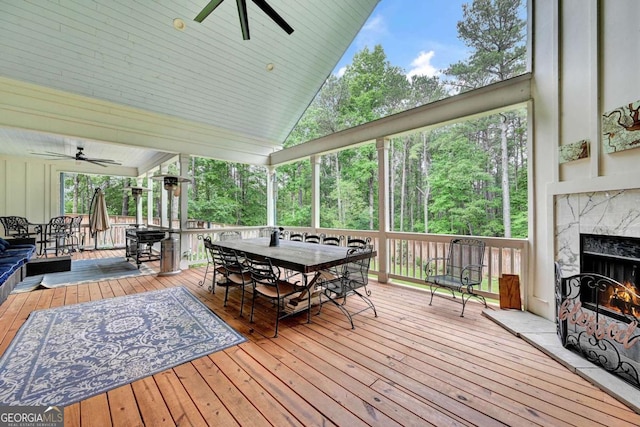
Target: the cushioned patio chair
(208, 250)
(313, 238)
(333, 240)
(354, 242)
(296, 237)
(267, 283)
(229, 235)
(230, 265)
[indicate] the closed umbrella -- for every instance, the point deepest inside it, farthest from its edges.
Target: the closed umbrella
(99, 218)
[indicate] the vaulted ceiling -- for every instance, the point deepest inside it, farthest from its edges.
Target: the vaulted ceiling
(138, 80)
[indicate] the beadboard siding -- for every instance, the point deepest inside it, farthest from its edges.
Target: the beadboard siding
(129, 53)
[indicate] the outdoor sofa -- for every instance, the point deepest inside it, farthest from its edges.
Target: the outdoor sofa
(14, 255)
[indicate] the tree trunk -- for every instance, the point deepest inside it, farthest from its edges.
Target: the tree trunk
(403, 180)
(371, 201)
(506, 198)
(125, 199)
(427, 188)
(75, 193)
(338, 192)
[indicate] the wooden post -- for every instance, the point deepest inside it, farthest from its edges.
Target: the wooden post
(510, 291)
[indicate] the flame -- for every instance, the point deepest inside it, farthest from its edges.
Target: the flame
(624, 299)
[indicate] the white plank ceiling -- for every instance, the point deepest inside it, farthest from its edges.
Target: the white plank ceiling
(206, 76)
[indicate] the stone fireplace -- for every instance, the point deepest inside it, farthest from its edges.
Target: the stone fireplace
(618, 258)
(598, 283)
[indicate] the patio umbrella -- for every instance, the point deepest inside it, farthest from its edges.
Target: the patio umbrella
(98, 216)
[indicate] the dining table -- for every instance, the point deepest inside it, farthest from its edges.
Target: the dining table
(308, 259)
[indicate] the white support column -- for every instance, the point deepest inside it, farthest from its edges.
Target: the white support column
(382, 146)
(271, 196)
(183, 204)
(149, 199)
(315, 191)
(139, 202)
(185, 248)
(164, 208)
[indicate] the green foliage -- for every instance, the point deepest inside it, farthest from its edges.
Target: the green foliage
(444, 180)
(227, 193)
(496, 33)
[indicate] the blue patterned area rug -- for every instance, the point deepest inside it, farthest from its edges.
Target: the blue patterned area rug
(66, 354)
(84, 271)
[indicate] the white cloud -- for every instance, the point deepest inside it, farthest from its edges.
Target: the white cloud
(372, 32)
(341, 71)
(421, 65)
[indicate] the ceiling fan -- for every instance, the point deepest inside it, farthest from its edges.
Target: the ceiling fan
(80, 156)
(242, 12)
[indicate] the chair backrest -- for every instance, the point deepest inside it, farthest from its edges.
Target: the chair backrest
(15, 226)
(333, 240)
(227, 259)
(464, 253)
(356, 273)
(296, 237)
(353, 242)
(208, 246)
(312, 238)
(229, 235)
(265, 232)
(58, 225)
(76, 222)
(263, 272)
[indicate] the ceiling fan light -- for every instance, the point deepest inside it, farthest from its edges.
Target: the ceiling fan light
(179, 24)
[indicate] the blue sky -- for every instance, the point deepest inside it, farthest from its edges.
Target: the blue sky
(419, 36)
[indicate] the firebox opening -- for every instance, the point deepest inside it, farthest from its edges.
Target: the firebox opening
(618, 258)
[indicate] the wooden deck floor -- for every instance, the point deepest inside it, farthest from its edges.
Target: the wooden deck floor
(412, 365)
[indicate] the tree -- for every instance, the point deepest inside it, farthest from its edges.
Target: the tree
(496, 33)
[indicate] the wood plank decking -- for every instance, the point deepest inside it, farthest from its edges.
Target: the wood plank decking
(412, 365)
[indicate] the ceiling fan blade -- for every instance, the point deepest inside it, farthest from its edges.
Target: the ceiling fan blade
(262, 4)
(96, 162)
(244, 19)
(106, 161)
(207, 10)
(52, 154)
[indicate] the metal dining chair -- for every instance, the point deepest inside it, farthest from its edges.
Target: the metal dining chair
(333, 240)
(296, 237)
(354, 242)
(313, 238)
(234, 272)
(268, 284)
(16, 227)
(208, 249)
(55, 237)
(353, 276)
(229, 235)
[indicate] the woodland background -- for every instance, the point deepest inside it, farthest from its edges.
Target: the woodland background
(467, 178)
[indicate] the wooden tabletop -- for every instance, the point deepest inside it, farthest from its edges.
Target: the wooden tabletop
(297, 256)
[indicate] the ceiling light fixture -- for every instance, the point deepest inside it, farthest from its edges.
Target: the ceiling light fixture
(179, 24)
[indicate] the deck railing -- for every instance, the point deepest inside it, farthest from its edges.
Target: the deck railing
(407, 253)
